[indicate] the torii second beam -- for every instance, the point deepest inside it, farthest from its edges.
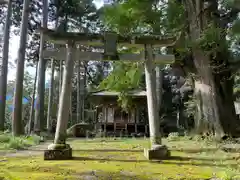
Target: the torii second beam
(97, 56)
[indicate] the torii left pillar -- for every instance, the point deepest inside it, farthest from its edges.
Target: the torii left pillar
(157, 150)
(59, 150)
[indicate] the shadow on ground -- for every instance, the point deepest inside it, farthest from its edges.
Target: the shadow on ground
(140, 150)
(102, 175)
(191, 151)
(197, 150)
(108, 150)
(174, 160)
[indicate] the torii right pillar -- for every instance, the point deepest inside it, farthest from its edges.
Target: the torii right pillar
(157, 150)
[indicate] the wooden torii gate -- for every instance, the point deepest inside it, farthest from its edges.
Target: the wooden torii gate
(110, 42)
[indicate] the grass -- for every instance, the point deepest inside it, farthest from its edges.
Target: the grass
(120, 159)
(8, 142)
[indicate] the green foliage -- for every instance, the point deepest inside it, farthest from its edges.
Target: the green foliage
(175, 17)
(135, 16)
(119, 19)
(7, 141)
(28, 84)
(236, 27)
(124, 77)
(211, 40)
(232, 4)
(4, 138)
(174, 136)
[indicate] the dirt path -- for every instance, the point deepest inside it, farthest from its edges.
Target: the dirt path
(31, 151)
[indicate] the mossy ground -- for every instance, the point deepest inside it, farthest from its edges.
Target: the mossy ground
(123, 159)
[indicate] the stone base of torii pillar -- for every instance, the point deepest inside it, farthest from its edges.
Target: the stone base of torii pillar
(157, 152)
(58, 152)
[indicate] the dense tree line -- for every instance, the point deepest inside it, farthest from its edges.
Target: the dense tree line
(207, 49)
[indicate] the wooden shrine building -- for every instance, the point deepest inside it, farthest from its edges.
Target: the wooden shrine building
(111, 118)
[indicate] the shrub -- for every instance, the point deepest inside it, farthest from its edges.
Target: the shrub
(174, 136)
(10, 142)
(15, 143)
(34, 139)
(4, 138)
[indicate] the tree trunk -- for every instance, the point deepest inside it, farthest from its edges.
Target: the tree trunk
(64, 103)
(4, 72)
(17, 128)
(55, 91)
(83, 94)
(153, 118)
(50, 97)
(216, 107)
(40, 122)
(60, 77)
(70, 110)
(79, 112)
(31, 118)
(205, 118)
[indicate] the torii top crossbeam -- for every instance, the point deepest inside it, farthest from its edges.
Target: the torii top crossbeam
(111, 42)
(98, 39)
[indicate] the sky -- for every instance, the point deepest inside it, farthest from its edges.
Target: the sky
(14, 44)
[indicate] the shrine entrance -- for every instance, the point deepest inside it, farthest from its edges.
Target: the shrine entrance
(107, 46)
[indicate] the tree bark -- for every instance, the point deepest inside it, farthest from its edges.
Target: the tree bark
(83, 94)
(216, 107)
(70, 109)
(31, 118)
(153, 118)
(50, 97)
(17, 128)
(79, 112)
(64, 103)
(4, 72)
(40, 122)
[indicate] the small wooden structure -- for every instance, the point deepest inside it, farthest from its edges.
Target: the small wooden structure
(111, 118)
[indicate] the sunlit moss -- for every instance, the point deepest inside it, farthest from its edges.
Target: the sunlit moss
(123, 159)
